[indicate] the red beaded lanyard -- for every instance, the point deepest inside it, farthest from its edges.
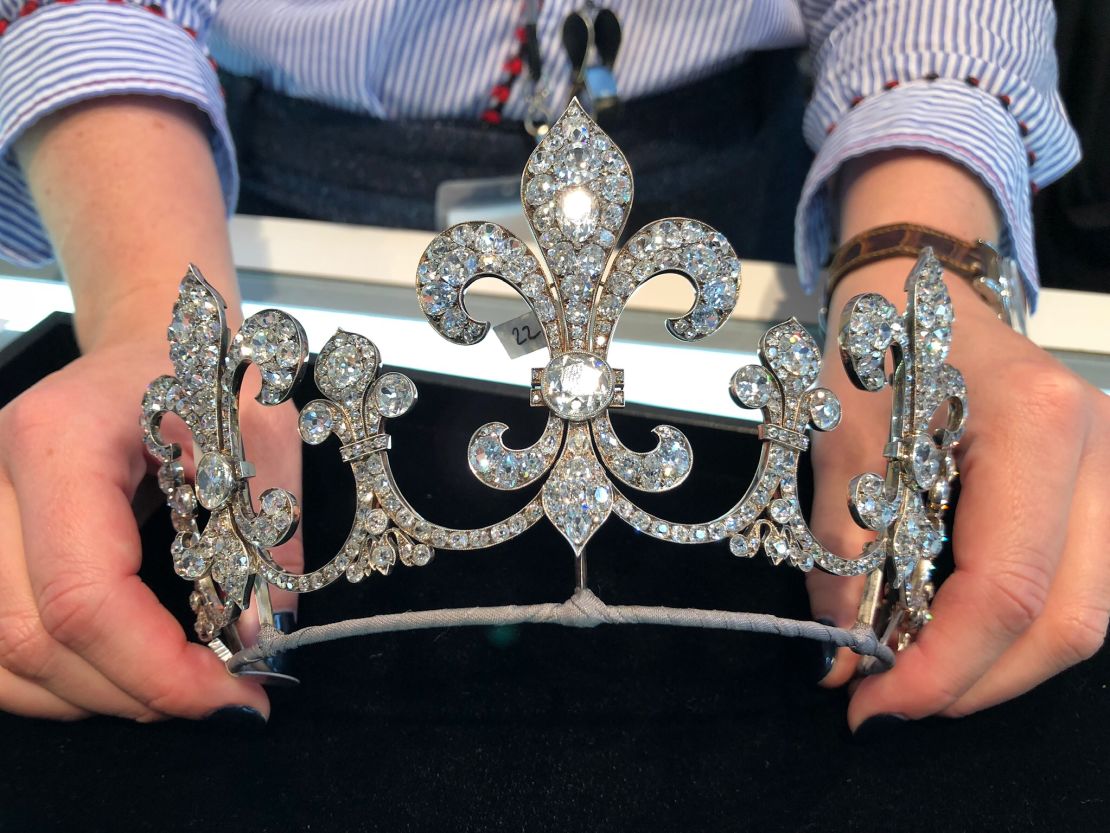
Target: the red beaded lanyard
(526, 52)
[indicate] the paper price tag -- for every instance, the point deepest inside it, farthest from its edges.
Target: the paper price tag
(521, 335)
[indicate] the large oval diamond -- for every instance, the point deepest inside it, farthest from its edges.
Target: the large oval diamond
(215, 480)
(577, 386)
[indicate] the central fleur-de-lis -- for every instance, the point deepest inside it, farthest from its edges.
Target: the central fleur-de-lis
(577, 191)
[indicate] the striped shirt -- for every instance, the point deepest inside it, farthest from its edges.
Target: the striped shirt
(973, 80)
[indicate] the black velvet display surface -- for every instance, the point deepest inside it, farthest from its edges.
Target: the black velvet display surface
(540, 728)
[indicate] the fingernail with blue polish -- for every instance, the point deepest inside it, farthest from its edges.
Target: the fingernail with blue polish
(286, 622)
(879, 726)
(237, 717)
(823, 653)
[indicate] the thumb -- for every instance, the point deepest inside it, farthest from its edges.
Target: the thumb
(838, 457)
(273, 446)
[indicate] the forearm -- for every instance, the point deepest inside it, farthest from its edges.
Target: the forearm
(129, 194)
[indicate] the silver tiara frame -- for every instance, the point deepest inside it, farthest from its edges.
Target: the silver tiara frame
(576, 190)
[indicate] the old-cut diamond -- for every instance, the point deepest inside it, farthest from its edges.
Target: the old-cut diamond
(617, 188)
(453, 322)
(374, 521)
(800, 358)
(562, 258)
(612, 216)
(721, 293)
(780, 510)
(176, 399)
(488, 238)
(315, 424)
(591, 260)
(824, 410)
(463, 234)
(577, 386)
(700, 261)
(609, 307)
(435, 297)
(577, 314)
(621, 283)
(576, 286)
(739, 546)
(924, 460)
(262, 346)
(673, 455)
(577, 165)
(545, 310)
(421, 555)
(870, 505)
(275, 504)
(534, 286)
(343, 365)
(575, 128)
(540, 190)
(460, 264)
(706, 319)
(215, 480)
(545, 217)
(394, 394)
(382, 557)
(190, 561)
(752, 386)
(485, 454)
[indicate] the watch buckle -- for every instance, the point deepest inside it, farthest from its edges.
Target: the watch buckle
(1001, 285)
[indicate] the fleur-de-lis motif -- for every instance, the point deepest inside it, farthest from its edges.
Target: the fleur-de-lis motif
(204, 390)
(906, 506)
(576, 191)
(358, 401)
(782, 388)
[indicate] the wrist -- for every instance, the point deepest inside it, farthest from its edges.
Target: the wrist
(924, 190)
(138, 313)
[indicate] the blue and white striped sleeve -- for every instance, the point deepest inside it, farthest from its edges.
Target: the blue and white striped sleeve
(973, 80)
(63, 53)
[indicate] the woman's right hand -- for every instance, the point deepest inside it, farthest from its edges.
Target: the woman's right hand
(79, 631)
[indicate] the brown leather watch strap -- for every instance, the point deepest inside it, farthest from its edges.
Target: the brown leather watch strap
(997, 280)
(906, 240)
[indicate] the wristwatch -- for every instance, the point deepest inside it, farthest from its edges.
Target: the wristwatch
(997, 279)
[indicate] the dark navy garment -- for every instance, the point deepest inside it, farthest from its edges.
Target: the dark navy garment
(727, 150)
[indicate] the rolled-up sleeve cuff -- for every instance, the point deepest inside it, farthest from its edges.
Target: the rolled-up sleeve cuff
(946, 117)
(67, 53)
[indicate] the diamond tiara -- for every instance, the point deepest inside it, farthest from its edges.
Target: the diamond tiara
(576, 191)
